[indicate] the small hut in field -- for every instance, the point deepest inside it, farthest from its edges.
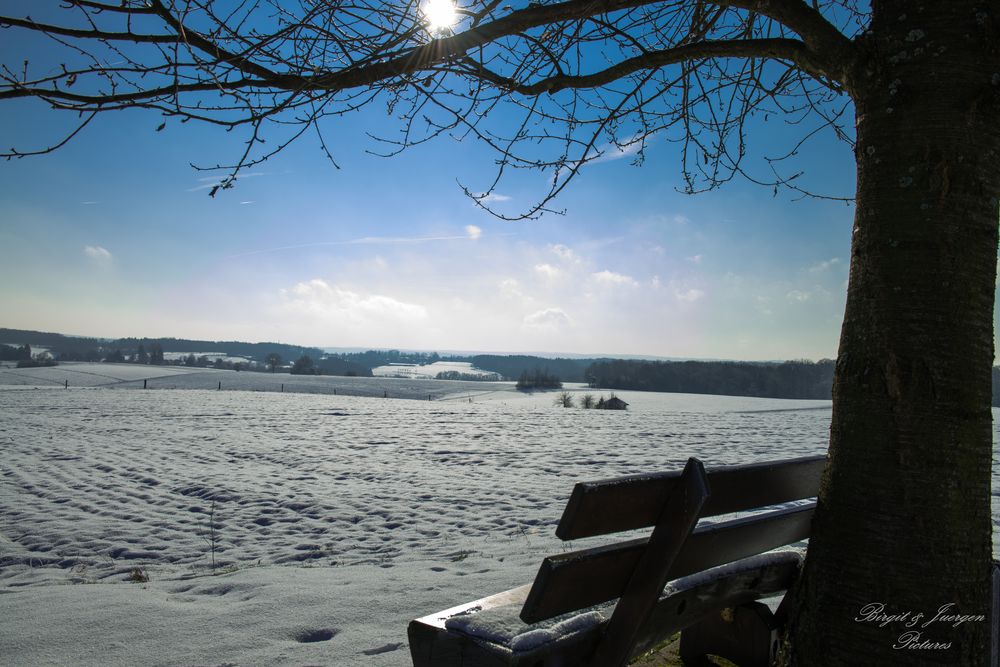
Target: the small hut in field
(613, 403)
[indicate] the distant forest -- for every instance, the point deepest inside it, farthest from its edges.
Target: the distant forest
(79, 348)
(373, 358)
(508, 367)
(512, 367)
(789, 379)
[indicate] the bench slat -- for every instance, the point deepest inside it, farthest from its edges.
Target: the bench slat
(627, 503)
(584, 578)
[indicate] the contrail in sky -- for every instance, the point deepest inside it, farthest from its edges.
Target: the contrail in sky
(367, 240)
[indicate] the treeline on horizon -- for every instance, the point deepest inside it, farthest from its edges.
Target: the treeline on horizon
(790, 379)
(514, 366)
(81, 348)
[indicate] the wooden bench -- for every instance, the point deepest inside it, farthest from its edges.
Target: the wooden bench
(716, 574)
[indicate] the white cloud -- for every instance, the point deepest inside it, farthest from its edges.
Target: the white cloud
(473, 232)
(366, 240)
(611, 278)
(690, 295)
(681, 219)
(213, 181)
(549, 319)
(339, 305)
(694, 259)
(763, 304)
(816, 294)
(564, 253)
(824, 265)
(99, 254)
(548, 271)
(492, 197)
(390, 240)
(510, 289)
(798, 295)
(610, 151)
(655, 282)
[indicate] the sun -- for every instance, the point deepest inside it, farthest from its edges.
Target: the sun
(439, 14)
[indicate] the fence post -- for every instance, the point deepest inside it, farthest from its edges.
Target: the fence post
(282, 388)
(143, 384)
(65, 384)
(220, 385)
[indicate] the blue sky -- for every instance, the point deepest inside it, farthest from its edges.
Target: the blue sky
(115, 235)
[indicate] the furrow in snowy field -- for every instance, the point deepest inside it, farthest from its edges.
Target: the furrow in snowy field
(394, 508)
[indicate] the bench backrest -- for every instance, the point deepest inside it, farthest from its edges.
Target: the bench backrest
(576, 580)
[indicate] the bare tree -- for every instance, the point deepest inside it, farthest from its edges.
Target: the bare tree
(904, 509)
(273, 361)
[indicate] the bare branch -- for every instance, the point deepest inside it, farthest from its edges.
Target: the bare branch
(821, 37)
(779, 49)
(548, 86)
(87, 33)
(123, 8)
(109, 100)
(54, 147)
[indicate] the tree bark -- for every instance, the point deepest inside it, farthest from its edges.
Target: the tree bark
(904, 510)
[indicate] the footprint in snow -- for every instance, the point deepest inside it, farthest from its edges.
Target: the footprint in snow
(309, 636)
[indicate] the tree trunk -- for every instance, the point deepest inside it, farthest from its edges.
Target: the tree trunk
(904, 510)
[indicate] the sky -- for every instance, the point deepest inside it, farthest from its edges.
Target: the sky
(115, 235)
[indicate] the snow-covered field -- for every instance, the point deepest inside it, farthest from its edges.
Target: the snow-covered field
(337, 518)
(135, 376)
(429, 371)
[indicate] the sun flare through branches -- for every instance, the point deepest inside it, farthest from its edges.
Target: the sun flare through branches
(440, 15)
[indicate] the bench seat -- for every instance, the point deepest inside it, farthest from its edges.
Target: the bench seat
(601, 606)
(489, 632)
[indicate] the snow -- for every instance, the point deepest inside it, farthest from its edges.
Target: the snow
(135, 376)
(275, 616)
(338, 519)
(86, 375)
(782, 555)
(502, 626)
(429, 370)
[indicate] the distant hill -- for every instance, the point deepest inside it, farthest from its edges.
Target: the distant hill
(52, 341)
(512, 367)
(83, 348)
(789, 379)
